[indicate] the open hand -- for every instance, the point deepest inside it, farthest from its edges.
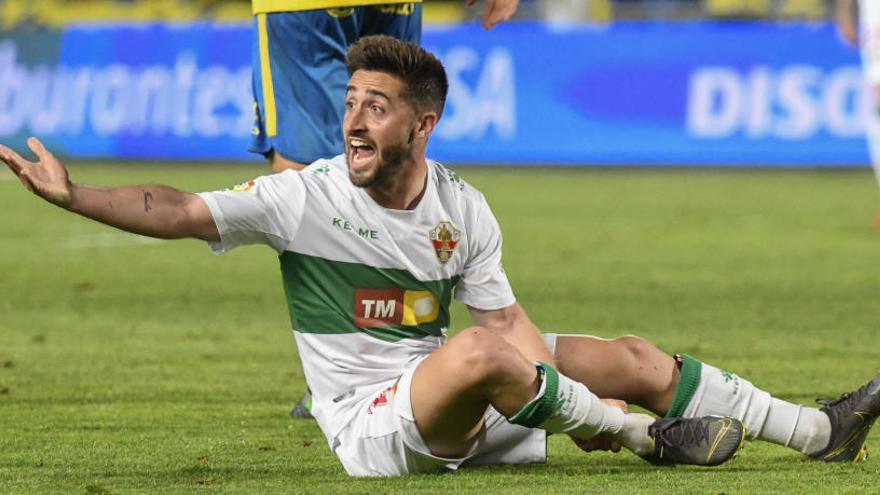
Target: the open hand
(46, 178)
(496, 11)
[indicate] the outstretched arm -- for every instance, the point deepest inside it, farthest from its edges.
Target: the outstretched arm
(151, 210)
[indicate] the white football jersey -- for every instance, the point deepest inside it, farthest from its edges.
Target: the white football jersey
(368, 288)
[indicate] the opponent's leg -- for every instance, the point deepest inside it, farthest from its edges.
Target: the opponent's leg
(280, 164)
(298, 80)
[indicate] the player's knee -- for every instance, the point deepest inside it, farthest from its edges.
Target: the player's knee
(648, 369)
(636, 349)
(636, 355)
(480, 354)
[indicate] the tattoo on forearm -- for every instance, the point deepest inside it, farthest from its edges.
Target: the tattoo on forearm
(148, 197)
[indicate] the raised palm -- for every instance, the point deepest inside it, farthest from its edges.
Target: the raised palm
(46, 178)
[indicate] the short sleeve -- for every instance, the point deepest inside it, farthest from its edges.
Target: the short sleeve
(267, 210)
(483, 284)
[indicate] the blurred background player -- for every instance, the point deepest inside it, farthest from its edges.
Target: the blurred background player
(299, 68)
(299, 74)
(866, 34)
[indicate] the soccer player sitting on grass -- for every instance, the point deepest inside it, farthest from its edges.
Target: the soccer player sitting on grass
(298, 65)
(373, 245)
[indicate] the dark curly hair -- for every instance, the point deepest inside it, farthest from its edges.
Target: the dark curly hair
(424, 78)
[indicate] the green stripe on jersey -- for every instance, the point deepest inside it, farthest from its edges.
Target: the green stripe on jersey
(336, 297)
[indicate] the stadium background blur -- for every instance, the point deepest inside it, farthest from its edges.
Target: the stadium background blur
(571, 82)
(60, 13)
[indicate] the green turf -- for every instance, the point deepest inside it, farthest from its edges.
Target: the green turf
(154, 367)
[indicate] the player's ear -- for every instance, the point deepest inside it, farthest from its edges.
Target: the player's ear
(426, 123)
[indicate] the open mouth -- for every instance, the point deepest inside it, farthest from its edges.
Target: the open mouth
(361, 152)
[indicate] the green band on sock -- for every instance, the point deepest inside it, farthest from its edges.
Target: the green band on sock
(542, 407)
(687, 385)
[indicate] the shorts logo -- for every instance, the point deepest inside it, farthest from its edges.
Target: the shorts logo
(243, 187)
(339, 12)
(396, 9)
(444, 238)
(383, 398)
(255, 130)
(375, 308)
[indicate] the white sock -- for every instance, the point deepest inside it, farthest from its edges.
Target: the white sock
(805, 429)
(721, 393)
(563, 405)
(634, 434)
(582, 415)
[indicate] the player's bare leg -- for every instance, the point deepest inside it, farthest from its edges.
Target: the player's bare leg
(453, 387)
(622, 367)
(627, 368)
(280, 164)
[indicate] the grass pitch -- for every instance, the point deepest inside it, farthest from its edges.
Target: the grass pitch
(136, 366)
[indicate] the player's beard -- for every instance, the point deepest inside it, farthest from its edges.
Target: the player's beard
(388, 167)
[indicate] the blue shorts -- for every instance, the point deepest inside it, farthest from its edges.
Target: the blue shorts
(299, 74)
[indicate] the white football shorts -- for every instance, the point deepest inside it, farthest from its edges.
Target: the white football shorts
(383, 440)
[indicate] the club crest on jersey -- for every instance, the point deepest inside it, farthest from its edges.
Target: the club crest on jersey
(383, 399)
(444, 238)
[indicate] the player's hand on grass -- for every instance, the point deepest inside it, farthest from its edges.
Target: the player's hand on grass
(496, 11)
(603, 441)
(46, 178)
